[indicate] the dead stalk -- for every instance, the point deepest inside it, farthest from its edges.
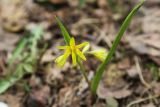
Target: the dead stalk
(140, 73)
(142, 100)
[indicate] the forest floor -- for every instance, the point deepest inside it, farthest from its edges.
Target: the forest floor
(132, 79)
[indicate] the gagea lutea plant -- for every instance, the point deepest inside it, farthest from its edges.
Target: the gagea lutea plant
(80, 51)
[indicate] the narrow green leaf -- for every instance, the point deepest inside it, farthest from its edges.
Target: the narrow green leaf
(63, 30)
(102, 67)
(28, 67)
(18, 50)
(10, 80)
(4, 84)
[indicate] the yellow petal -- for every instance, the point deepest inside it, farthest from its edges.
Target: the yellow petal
(62, 47)
(99, 54)
(86, 48)
(80, 54)
(74, 60)
(72, 42)
(61, 60)
(82, 45)
(67, 53)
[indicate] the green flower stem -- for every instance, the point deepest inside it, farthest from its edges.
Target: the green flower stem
(83, 71)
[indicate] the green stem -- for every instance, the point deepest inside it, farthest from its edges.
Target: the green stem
(83, 71)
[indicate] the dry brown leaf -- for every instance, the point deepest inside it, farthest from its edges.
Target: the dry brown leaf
(104, 92)
(66, 96)
(8, 41)
(113, 84)
(13, 15)
(151, 20)
(11, 99)
(113, 77)
(57, 1)
(149, 105)
(156, 88)
(124, 64)
(53, 74)
(132, 72)
(48, 56)
(38, 97)
(148, 2)
(102, 3)
(146, 44)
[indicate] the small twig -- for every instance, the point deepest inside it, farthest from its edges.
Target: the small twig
(142, 100)
(140, 73)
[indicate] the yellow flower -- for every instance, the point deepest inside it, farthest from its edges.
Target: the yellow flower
(99, 54)
(73, 50)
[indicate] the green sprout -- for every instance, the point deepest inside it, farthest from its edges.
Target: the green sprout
(78, 56)
(28, 53)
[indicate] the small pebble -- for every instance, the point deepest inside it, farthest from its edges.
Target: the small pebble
(2, 104)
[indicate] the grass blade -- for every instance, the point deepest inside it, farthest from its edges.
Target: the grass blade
(63, 30)
(123, 28)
